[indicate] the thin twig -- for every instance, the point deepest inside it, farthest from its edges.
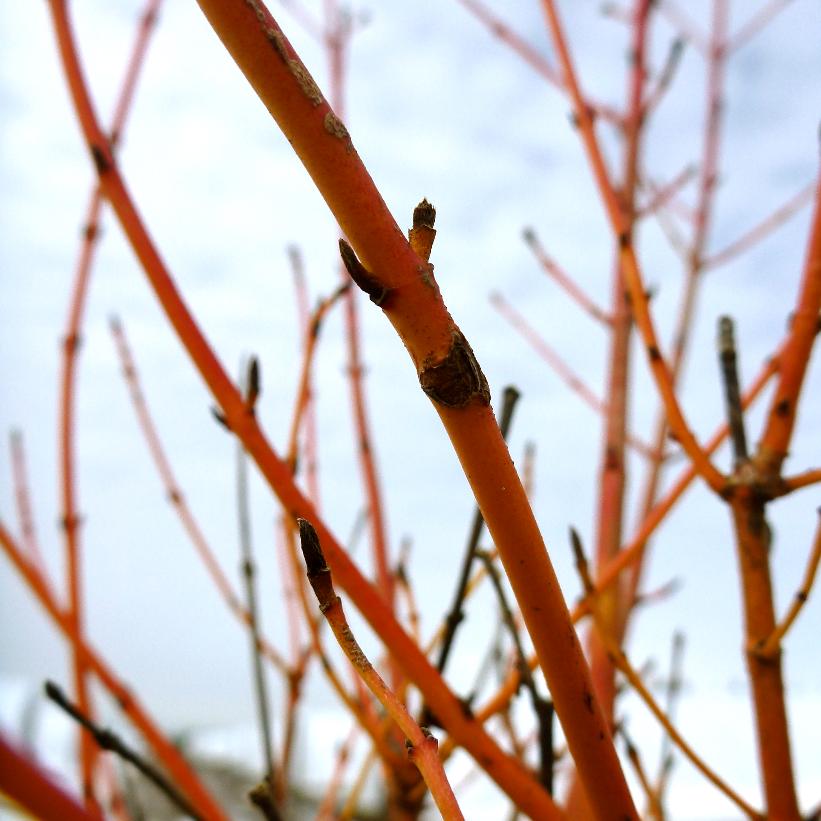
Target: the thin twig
(250, 382)
(422, 748)
(107, 740)
(564, 371)
(756, 23)
(542, 707)
(22, 495)
(771, 647)
(619, 659)
(554, 270)
(665, 78)
(762, 229)
(675, 682)
(174, 492)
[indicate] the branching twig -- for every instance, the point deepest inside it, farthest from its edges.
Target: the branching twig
(771, 647)
(554, 270)
(619, 658)
(567, 375)
(542, 707)
(756, 23)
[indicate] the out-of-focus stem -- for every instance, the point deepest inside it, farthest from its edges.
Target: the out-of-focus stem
(175, 495)
(71, 344)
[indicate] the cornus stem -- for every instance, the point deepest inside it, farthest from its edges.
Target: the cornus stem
(71, 344)
(422, 748)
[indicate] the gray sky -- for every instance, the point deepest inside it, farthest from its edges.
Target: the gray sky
(437, 108)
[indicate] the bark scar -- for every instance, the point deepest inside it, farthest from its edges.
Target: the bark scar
(456, 380)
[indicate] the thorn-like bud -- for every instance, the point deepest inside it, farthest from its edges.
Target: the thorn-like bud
(311, 549)
(253, 382)
(364, 280)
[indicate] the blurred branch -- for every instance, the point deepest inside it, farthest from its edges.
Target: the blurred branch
(107, 740)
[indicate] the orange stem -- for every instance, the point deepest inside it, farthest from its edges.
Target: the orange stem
(774, 444)
(772, 646)
(311, 460)
(23, 496)
(423, 751)
(71, 343)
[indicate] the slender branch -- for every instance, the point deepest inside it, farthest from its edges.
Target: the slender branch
(567, 375)
(250, 380)
(761, 230)
(662, 194)
(552, 269)
(522, 48)
(756, 23)
(774, 444)
(310, 424)
(22, 495)
(771, 647)
(423, 748)
(629, 263)
(107, 740)
(634, 758)
(675, 682)
(685, 25)
(302, 403)
(174, 493)
(654, 96)
(800, 480)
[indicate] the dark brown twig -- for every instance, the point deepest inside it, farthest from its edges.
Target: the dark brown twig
(251, 380)
(107, 740)
(542, 707)
(456, 613)
(732, 392)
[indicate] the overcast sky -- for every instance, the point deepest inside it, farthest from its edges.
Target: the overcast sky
(437, 108)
